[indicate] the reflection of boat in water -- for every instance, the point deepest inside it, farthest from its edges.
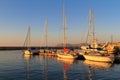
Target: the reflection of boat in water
(66, 66)
(27, 58)
(68, 61)
(97, 65)
(93, 67)
(44, 67)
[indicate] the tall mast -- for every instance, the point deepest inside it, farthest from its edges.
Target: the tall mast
(92, 24)
(27, 39)
(29, 36)
(64, 26)
(92, 27)
(89, 39)
(46, 35)
(88, 35)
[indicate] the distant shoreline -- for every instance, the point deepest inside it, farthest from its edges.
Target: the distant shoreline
(22, 48)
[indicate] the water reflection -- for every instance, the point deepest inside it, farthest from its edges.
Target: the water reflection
(50, 68)
(44, 66)
(43, 63)
(66, 61)
(93, 66)
(66, 65)
(15, 66)
(27, 58)
(98, 65)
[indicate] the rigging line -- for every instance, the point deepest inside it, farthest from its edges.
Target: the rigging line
(26, 39)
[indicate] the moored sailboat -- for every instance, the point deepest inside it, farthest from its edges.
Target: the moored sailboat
(29, 50)
(100, 58)
(27, 43)
(46, 51)
(91, 41)
(66, 53)
(93, 53)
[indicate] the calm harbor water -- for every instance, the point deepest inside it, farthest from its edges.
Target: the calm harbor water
(15, 66)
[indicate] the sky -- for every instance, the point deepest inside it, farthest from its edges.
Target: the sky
(17, 15)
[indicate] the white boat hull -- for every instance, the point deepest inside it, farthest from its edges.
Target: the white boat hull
(99, 58)
(67, 56)
(27, 52)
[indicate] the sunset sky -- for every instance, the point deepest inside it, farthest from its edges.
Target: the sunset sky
(17, 15)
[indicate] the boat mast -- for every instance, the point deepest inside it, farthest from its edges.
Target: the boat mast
(94, 44)
(92, 24)
(46, 35)
(64, 26)
(29, 36)
(88, 35)
(27, 39)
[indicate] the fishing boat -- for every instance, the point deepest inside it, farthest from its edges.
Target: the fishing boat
(66, 53)
(92, 53)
